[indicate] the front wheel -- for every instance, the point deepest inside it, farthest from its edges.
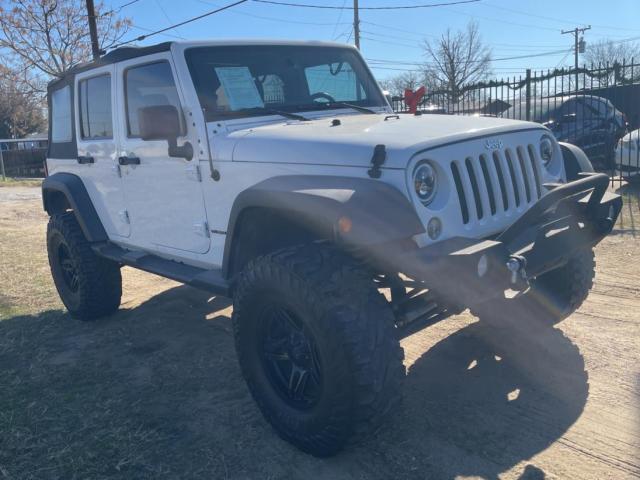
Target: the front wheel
(317, 346)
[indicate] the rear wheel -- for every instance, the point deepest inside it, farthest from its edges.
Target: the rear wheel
(89, 286)
(317, 346)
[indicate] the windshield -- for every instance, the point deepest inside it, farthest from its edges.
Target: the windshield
(239, 81)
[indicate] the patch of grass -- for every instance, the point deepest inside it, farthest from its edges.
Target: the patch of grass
(21, 182)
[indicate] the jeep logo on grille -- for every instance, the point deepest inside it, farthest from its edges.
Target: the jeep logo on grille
(493, 144)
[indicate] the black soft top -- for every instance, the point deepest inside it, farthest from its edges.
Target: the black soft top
(117, 55)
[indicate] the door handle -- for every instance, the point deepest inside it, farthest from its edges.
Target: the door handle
(85, 160)
(128, 160)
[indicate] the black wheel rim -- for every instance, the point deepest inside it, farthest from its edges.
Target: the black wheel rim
(68, 268)
(290, 358)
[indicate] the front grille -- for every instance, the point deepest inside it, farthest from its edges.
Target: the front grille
(496, 184)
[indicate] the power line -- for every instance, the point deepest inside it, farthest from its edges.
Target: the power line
(503, 21)
(171, 27)
(144, 29)
(553, 19)
(386, 35)
(517, 57)
(420, 34)
(563, 59)
(406, 45)
(333, 34)
(523, 48)
(166, 15)
(332, 7)
(276, 19)
(542, 54)
(117, 10)
(425, 64)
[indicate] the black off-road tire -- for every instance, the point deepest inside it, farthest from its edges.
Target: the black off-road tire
(89, 286)
(552, 297)
(352, 326)
(565, 289)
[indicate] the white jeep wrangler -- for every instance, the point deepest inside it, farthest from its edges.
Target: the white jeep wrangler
(276, 174)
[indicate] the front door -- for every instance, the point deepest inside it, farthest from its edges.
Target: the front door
(164, 196)
(98, 167)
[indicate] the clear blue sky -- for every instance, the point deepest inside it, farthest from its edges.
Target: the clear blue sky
(512, 28)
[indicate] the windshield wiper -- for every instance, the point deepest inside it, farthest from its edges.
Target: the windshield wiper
(292, 116)
(351, 105)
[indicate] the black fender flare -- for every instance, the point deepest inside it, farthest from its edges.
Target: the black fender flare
(575, 161)
(61, 191)
(359, 212)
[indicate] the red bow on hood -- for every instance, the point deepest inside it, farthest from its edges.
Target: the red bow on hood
(412, 99)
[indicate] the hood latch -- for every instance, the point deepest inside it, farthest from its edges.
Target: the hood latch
(378, 158)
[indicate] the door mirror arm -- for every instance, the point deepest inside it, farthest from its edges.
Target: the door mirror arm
(184, 151)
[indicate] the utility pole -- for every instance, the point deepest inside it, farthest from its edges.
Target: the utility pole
(577, 44)
(93, 29)
(356, 23)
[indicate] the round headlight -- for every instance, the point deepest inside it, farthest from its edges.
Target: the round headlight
(425, 182)
(546, 150)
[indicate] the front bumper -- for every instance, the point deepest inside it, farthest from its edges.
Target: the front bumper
(569, 217)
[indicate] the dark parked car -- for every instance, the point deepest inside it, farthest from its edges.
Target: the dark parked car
(590, 122)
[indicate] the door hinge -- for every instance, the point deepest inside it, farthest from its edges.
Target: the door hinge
(124, 216)
(194, 173)
(202, 229)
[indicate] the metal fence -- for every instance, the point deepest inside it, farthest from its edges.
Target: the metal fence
(23, 163)
(595, 108)
(22, 157)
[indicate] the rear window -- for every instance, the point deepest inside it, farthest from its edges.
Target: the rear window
(61, 127)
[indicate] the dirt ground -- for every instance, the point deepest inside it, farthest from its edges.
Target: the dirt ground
(155, 391)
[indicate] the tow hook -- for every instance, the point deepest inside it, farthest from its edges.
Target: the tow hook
(606, 224)
(517, 265)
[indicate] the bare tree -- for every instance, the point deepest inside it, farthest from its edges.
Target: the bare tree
(21, 112)
(48, 37)
(396, 85)
(457, 59)
(608, 51)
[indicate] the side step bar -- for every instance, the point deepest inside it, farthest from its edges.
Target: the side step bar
(210, 280)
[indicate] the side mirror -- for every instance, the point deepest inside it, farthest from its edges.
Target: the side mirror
(162, 122)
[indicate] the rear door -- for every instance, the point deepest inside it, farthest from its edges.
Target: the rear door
(96, 117)
(163, 194)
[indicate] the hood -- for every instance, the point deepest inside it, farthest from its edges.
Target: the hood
(351, 143)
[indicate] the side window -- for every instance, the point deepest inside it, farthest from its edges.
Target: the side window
(146, 86)
(336, 79)
(61, 128)
(95, 107)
